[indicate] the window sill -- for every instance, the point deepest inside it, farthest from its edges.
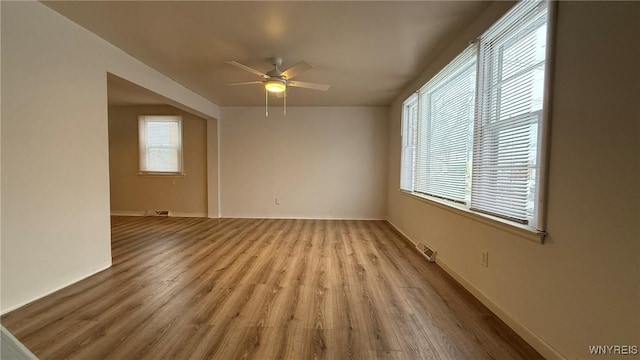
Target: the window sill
(519, 230)
(160, 174)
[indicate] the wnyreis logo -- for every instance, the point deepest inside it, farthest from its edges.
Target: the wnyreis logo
(613, 349)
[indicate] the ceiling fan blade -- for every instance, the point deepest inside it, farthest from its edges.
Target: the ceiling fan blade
(297, 69)
(308, 85)
(246, 83)
(246, 68)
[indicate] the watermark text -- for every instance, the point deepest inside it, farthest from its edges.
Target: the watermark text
(613, 349)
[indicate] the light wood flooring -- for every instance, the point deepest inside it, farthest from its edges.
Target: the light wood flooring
(194, 288)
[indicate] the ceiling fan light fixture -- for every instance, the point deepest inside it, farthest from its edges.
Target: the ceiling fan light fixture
(275, 86)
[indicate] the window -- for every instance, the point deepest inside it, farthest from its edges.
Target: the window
(160, 139)
(476, 144)
(447, 104)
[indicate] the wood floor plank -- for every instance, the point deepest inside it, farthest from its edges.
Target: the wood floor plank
(195, 288)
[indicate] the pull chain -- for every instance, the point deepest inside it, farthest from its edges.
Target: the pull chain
(285, 103)
(266, 102)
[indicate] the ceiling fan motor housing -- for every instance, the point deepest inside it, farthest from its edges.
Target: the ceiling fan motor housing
(275, 73)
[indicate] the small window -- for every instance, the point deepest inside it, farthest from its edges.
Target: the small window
(160, 144)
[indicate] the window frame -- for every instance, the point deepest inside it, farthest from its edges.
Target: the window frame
(409, 134)
(143, 145)
(537, 233)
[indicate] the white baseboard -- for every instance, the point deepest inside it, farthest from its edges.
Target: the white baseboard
(300, 218)
(144, 213)
(401, 232)
(185, 214)
(529, 336)
(127, 213)
(57, 288)
(13, 348)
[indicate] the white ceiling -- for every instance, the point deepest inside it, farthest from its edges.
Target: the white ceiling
(367, 51)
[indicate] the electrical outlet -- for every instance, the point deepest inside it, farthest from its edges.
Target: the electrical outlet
(485, 259)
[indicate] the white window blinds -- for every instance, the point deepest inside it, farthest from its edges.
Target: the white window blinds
(160, 144)
(511, 79)
(472, 134)
(447, 104)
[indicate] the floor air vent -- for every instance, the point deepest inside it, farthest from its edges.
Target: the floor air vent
(157, 213)
(427, 252)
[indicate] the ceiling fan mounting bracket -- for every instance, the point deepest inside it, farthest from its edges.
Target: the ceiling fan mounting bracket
(276, 61)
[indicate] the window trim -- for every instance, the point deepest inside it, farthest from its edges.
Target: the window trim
(160, 174)
(545, 122)
(522, 231)
(527, 232)
(411, 101)
(142, 139)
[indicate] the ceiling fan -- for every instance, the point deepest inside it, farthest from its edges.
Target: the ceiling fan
(277, 81)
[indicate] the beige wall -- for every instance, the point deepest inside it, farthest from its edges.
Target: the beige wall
(582, 287)
(132, 194)
(320, 162)
(213, 174)
(55, 160)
